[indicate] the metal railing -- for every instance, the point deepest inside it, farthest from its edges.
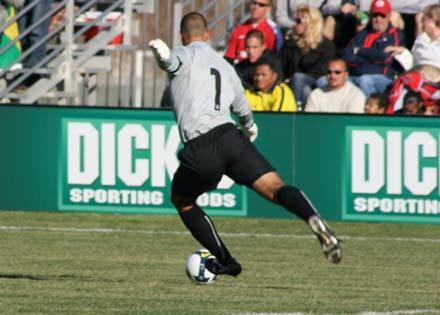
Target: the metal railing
(222, 16)
(63, 61)
(94, 72)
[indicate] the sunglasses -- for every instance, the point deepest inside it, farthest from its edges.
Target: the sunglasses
(299, 21)
(260, 4)
(334, 71)
(378, 14)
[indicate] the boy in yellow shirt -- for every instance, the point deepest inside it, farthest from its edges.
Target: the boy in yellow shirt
(269, 93)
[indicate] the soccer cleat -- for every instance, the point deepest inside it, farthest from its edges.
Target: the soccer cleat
(329, 243)
(232, 268)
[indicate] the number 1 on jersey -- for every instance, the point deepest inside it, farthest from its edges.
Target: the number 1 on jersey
(218, 87)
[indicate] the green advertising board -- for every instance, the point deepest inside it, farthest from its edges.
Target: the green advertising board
(370, 168)
(392, 174)
(352, 167)
(127, 166)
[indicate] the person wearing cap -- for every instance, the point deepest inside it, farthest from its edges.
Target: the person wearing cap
(371, 67)
(405, 10)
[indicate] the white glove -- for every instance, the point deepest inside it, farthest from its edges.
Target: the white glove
(160, 49)
(251, 132)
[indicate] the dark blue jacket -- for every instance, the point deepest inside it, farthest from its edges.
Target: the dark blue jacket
(371, 58)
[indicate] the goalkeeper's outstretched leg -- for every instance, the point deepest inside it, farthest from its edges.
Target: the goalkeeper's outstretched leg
(271, 186)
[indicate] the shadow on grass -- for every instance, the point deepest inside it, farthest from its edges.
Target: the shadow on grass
(67, 277)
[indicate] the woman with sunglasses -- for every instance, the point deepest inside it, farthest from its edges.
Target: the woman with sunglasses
(306, 52)
(339, 19)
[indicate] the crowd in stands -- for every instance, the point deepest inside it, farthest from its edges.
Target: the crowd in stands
(372, 56)
(347, 56)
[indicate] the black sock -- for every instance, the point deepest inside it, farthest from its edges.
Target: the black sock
(203, 230)
(295, 201)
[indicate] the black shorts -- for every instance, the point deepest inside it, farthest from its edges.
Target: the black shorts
(222, 150)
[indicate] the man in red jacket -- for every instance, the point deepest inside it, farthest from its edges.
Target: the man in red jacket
(259, 10)
(370, 66)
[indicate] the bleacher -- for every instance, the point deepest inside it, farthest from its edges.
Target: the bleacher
(97, 52)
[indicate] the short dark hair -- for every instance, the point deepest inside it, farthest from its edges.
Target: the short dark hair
(381, 98)
(413, 95)
(338, 59)
(193, 24)
(259, 35)
(273, 63)
(266, 61)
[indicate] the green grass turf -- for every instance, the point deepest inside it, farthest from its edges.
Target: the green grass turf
(139, 268)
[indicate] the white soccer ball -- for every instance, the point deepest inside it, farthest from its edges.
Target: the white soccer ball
(196, 269)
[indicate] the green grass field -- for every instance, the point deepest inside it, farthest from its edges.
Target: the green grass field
(64, 263)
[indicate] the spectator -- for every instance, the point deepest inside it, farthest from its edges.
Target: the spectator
(259, 10)
(425, 80)
(426, 49)
(255, 49)
(17, 4)
(339, 21)
(362, 19)
(340, 95)
(407, 11)
(285, 13)
(10, 55)
(434, 109)
(269, 93)
(370, 66)
(306, 52)
(34, 16)
(425, 77)
(412, 104)
(376, 104)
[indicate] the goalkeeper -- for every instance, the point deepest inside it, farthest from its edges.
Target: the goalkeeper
(205, 89)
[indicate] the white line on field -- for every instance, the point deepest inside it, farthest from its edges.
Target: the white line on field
(402, 312)
(162, 232)
(396, 312)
